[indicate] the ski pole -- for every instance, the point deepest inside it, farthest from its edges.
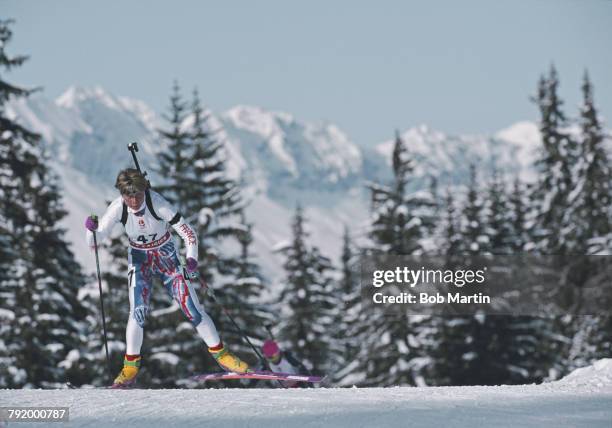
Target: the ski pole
(209, 292)
(108, 364)
(269, 330)
(244, 336)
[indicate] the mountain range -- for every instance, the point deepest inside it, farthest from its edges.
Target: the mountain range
(279, 160)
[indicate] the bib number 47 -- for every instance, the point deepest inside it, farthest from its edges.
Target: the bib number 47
(143, 238)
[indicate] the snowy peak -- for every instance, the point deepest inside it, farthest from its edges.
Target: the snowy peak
(523, 132)
(257, 120)
(76, 95)
(268, 127)
(417, 139)
(113, 122)
(312, 153)
(448, 157)
(89, 100)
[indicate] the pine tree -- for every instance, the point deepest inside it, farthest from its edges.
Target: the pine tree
(401, 220)
(212, 194)
(391, 346)
(499, 221)
(475, 239)
(193, 170)
(518, 212)
(217, 200)
(451, 238)
(42, 280)
(550, 195)
(591, 205)
(552, 223)
(245, 301)
(346, 330)
(592, 198)
(306, 301)
(175, 157)
(462, 348)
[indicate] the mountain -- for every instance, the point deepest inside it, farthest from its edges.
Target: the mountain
(279, 160)
(448, 157)
(290, 152)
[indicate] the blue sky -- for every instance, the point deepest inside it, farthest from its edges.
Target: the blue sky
(369, 66)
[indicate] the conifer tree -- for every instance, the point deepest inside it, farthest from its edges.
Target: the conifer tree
(518, 211)
(401, 219)
(193, 171)
(475, 237)
(391, 351)
(451, 238)
(559, 153)
(346, 325)
(212, 194)
(552, 222)
(175, 157)
(246, 301)
(306, 301)
(592, 198)
(591, 205)
(40, 287)
(499, 219)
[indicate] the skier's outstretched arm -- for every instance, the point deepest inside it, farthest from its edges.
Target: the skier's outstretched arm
(105, 225)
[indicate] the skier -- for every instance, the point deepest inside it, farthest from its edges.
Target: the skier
(282, 362)
(146, 217)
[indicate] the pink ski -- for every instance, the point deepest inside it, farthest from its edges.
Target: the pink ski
(262, 375)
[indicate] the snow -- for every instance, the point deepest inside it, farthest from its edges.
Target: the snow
(279, 144)
(7, 314)
(166, 357)
(264, 124)
(75, 95)
(598, 375)
(511, 150)
(582, 399)
(524, 138)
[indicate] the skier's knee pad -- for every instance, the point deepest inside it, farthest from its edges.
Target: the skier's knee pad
(140, 315)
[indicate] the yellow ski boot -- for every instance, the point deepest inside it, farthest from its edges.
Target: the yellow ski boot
(227, 360)
(128, 373)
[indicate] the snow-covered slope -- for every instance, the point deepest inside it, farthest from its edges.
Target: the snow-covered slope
(583, 399)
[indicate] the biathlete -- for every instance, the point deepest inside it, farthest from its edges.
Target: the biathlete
(146, 217)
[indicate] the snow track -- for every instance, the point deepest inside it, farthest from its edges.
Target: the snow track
(550, 405)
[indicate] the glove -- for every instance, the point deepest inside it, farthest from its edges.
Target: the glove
(91, 223)
(192, 265)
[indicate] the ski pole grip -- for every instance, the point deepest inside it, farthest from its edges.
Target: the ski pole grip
(186, 274)
(133, 146)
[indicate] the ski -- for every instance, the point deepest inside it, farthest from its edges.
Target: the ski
(262, 375)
